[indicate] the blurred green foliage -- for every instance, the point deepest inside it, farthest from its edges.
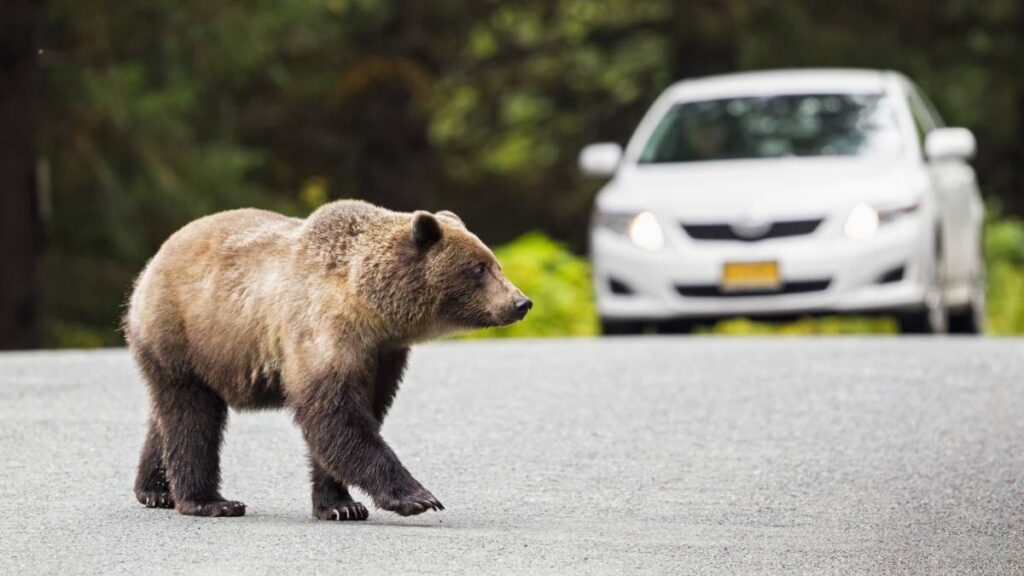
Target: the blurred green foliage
(1004, 252)
(159, 111)
(824, 326)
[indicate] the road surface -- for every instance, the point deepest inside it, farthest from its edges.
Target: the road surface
(615, 456)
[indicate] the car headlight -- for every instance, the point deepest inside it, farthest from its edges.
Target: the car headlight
(645, 232)
(864, 221)
(642, 229)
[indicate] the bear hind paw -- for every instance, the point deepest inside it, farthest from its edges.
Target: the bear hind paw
(225, 508)
(155, 498)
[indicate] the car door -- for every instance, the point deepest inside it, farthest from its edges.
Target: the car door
(960, 206)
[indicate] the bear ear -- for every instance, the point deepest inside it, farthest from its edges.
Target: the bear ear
(449, 215)
(426, 230)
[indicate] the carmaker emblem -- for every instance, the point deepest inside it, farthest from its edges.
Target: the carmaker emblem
(751, 228)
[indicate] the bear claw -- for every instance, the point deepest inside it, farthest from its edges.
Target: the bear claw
(415, 504)
(342, 511)
(155, 499)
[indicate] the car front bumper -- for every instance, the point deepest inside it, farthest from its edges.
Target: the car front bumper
(827, 275)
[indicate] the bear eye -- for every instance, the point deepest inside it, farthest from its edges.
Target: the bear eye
(478, 270)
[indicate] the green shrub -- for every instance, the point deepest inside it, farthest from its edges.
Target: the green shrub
(1004, 254)
(556, 280)
(827, 325)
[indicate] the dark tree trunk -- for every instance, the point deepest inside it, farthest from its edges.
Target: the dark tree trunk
(20, 233)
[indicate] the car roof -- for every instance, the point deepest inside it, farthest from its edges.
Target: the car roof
(775, 82)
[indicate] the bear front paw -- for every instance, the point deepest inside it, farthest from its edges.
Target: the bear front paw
(342, 511)
(415, 503)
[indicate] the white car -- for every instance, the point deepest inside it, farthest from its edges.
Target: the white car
(788, 193)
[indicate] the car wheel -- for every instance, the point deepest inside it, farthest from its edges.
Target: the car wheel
(620, 327)
(933, 318)
(973, 318)
(676, 326)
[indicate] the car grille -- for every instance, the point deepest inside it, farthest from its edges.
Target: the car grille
(892, 276)
(714, 291)
(619, 287)
(780, 229)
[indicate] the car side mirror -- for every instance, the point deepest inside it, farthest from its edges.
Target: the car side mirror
(600, 160)
(950, 144)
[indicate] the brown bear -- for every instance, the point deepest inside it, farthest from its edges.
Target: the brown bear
(251, 309)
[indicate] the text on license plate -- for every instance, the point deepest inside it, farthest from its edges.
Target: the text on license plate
(737, 276)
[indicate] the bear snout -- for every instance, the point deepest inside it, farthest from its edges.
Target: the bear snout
(523, 305)
(520, 306)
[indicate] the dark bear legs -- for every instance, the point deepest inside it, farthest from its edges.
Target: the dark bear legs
(180, 462)
(151, 486)
(341, 422)
(351, 448)
(391, 363)
(338, 422)
(190, 419)
(331, 500)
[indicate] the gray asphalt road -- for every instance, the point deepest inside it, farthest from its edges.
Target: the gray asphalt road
(689, 455)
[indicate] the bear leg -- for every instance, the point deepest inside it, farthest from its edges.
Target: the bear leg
(331, 499)
(191, 420)
(344, 437)
(391, 363)
(151, 486)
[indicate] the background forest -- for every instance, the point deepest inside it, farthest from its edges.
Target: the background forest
(134, 118)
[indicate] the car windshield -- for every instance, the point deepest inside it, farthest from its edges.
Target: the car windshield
(774, 127)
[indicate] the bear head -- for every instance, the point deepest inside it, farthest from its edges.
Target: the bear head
(463, 278)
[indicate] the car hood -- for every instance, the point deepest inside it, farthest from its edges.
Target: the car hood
(760, 189)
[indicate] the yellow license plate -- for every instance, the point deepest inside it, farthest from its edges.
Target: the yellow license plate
(739, 276)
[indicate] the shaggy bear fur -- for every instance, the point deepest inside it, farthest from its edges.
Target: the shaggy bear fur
(251, 309)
